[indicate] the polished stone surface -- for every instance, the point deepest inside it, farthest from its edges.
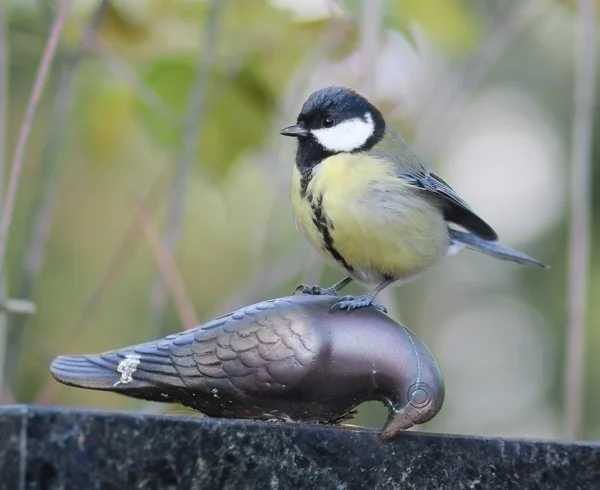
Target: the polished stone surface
(60, 448)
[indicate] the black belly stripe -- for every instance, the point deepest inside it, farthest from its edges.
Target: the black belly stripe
(305, 179)
(324, 226)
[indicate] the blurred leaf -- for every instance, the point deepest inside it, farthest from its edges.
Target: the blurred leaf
(237, 117)
(225, 236)
(120, 27)
(254, 28)
(108, 125)
(450, 23)
(238, 106)
(171, 78)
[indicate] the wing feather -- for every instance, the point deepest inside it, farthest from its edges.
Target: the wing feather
(456, 209)
(256, 349)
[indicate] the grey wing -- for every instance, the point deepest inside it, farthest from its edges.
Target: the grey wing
(142, 368)
(412, 170)
(456, 210)
(262, 348)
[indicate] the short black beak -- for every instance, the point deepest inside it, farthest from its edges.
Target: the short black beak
(297, 130)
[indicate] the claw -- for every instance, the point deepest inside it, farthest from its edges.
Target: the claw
(379, 306)
(354, 302)
(302, 289)
(315, 291)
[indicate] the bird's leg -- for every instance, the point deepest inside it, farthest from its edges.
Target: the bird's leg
(353, 302)
(318, 291)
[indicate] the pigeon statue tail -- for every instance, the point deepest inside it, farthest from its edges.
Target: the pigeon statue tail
(93, 372)
(142, 371)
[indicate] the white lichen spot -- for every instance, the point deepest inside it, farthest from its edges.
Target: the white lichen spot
(127, 367)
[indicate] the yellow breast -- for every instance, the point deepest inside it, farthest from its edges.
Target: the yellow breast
(379, 225)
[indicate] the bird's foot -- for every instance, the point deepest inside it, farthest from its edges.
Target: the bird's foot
(315, 290)
(354, 302)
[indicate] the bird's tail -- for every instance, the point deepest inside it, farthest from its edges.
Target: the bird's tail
(494, 249)
(143, 371)
(95, 372)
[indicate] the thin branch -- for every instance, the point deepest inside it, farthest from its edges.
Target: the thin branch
(89, 33)
(120, 68)
(123, 250)
(7, 204)
(43, 205)
(117, 260)
(371, 30)
(19, 155)
(167, 267)
(3, 132)
(579, 233)
(42, 208)
(269, 276)
(3, 86)
(6, 394)
(17, 306)
(192, 129)
(46, 13)
(39, 219)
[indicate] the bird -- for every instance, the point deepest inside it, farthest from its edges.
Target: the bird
(370, 205)
(287, 359)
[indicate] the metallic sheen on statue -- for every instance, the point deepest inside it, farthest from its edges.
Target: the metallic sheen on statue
(287, 359)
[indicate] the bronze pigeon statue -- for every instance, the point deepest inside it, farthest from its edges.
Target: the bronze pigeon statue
(287, 359)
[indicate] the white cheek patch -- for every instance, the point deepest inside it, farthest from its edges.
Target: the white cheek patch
(346, 136)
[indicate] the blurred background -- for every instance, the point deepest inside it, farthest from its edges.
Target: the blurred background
(161, 118)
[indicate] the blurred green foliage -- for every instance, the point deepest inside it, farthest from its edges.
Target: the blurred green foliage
(125, 132)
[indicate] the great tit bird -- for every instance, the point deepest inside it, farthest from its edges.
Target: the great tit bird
(367, 202)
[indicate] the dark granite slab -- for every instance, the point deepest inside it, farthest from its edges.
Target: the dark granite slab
(11, 430)
(59, 448)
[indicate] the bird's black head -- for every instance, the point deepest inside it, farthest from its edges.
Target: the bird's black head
(334, 120)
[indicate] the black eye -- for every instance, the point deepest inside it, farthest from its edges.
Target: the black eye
(328, 122)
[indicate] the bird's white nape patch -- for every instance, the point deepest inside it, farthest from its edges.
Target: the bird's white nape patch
(127, 367)
(348, 135)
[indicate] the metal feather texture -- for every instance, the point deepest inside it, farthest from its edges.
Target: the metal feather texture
(285, 359)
